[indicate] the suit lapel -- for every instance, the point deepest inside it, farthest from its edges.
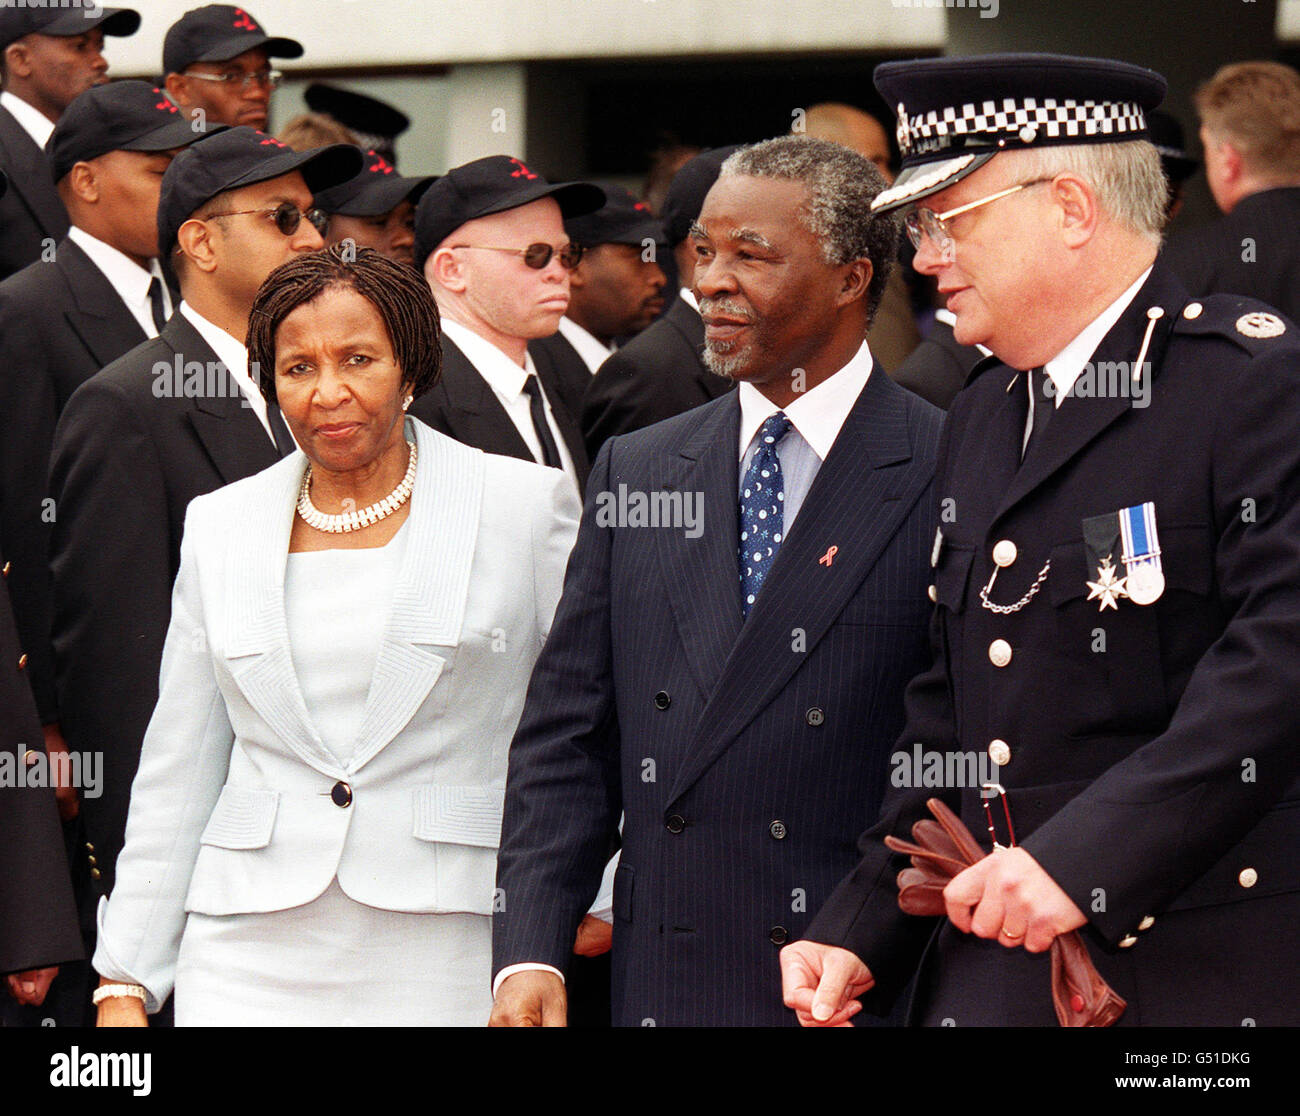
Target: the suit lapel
(98, 315)
(230, 433)
(428, 606)
(30, 176)
(687, 321)
(859, 498)
(570, 431)
(472, 411)
(702, 574)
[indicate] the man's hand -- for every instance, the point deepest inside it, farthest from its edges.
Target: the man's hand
(1008, 897)
(65, 794)
(29, 987)
(822, 983)
(595, 936)
(531, 998)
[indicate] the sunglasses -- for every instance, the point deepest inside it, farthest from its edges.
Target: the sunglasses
(537, 256)
(287, 217)
(240, 80)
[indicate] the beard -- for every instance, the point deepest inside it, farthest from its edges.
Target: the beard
(726, 358)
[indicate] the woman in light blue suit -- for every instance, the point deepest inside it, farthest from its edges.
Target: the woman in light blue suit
(313, 826)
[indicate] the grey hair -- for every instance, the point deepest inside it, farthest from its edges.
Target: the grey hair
(841, 185)
(1126, 177)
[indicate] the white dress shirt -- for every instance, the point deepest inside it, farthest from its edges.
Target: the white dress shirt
(816, 418)
(507, 379)
(592, 349)
(234, 356)
(126, 277)
(688, 297)
(34, 122)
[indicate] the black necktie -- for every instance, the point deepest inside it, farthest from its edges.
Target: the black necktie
(1044, 406)
(537, 408)
(156, 305)
(279, 429)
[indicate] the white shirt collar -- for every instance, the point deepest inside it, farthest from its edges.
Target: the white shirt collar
(1067, 366)
(688, 297)
(127, 277)
(818, 414)
(591, 348)
(34, 122)
(234, 356)
(502, 374)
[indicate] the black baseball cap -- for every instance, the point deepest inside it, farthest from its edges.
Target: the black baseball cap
(686, 192)
(218, 33)
(378, 189)
(63, 20)
(955, 114)
(621, 220)
(491, 185)
(119, 116)
(229, 158)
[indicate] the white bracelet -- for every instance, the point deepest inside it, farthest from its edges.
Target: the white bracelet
(112, 991)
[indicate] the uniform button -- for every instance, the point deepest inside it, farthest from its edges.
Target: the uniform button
(89, 847)
(662, 700)
(932, 594)
(7, 567)
(1000, 752)
(676, 823)
(95, 873)
(814, 716)
(1192, 310)
(779, 935)
(1146, 923)
(91, 861)
(1248, 877)
(341, 794)
(777, 830)
(1004, 553)
(999, 652)
(1127, 941)
(22, 661)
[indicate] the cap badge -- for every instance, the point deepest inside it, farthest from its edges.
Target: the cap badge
(244, 21)
(271, 141)
(1260, 324)
(381, 166)
(522, 171)
(904, 133)
(164, 105)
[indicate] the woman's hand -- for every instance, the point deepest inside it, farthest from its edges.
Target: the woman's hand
(121, 1011)
(29, 987)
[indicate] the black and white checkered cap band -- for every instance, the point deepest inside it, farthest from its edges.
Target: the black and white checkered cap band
(1027, 120)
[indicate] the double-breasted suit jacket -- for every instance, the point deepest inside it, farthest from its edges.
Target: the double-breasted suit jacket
(1148, 751)
(743, 755)
(240, 807)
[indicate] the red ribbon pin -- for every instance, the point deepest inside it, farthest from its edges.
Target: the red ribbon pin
(828, 557)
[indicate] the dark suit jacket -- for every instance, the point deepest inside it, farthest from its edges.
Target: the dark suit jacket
(1252, 251)
(38, 918)
(937, 368)
(742, 755)
(60, 323)
(656, 375)
(564, 368)
(463, 406)
(30, 210)
(129, 456)
(1151, 756)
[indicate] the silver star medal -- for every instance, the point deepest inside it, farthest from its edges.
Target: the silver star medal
(1107, 586)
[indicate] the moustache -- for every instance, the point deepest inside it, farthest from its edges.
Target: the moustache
(723, 307)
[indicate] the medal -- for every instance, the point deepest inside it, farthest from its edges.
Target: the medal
(1141, 557)
(1107, 586)
(1101, 538)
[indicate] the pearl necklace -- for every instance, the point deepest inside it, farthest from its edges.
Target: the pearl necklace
(355, 520)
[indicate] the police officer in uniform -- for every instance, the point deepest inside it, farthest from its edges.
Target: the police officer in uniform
(1117, 578)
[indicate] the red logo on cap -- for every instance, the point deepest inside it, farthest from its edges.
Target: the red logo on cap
(641, 206)
(164, 105)
(522, 172)
(244, 21)
(271, 140)
(380, 165)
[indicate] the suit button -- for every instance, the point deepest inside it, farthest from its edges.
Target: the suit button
(933, 594)
(22, 661)
(1146, 923)
(31, 756)
(1127, 941)
(779, 935)
(1000, 752)
(676, 823)
(91, 861)
(999, 652)
(7, 567)
(1004, 553)
(1248, 877)
(777, 830)
(95, 873)
(341, 794)
(814, 716)
(89, 847)
(662, 700)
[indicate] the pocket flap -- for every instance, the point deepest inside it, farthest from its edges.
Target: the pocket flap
(952, 574)
(459, 815)
(242, 819)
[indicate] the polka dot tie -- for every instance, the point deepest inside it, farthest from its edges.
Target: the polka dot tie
(761, 520)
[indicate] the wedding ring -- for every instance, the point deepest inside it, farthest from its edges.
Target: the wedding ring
(1010, 936)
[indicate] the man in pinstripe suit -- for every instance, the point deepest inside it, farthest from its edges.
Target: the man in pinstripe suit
(734, 695)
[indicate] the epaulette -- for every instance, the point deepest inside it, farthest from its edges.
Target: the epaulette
(1250, 324)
